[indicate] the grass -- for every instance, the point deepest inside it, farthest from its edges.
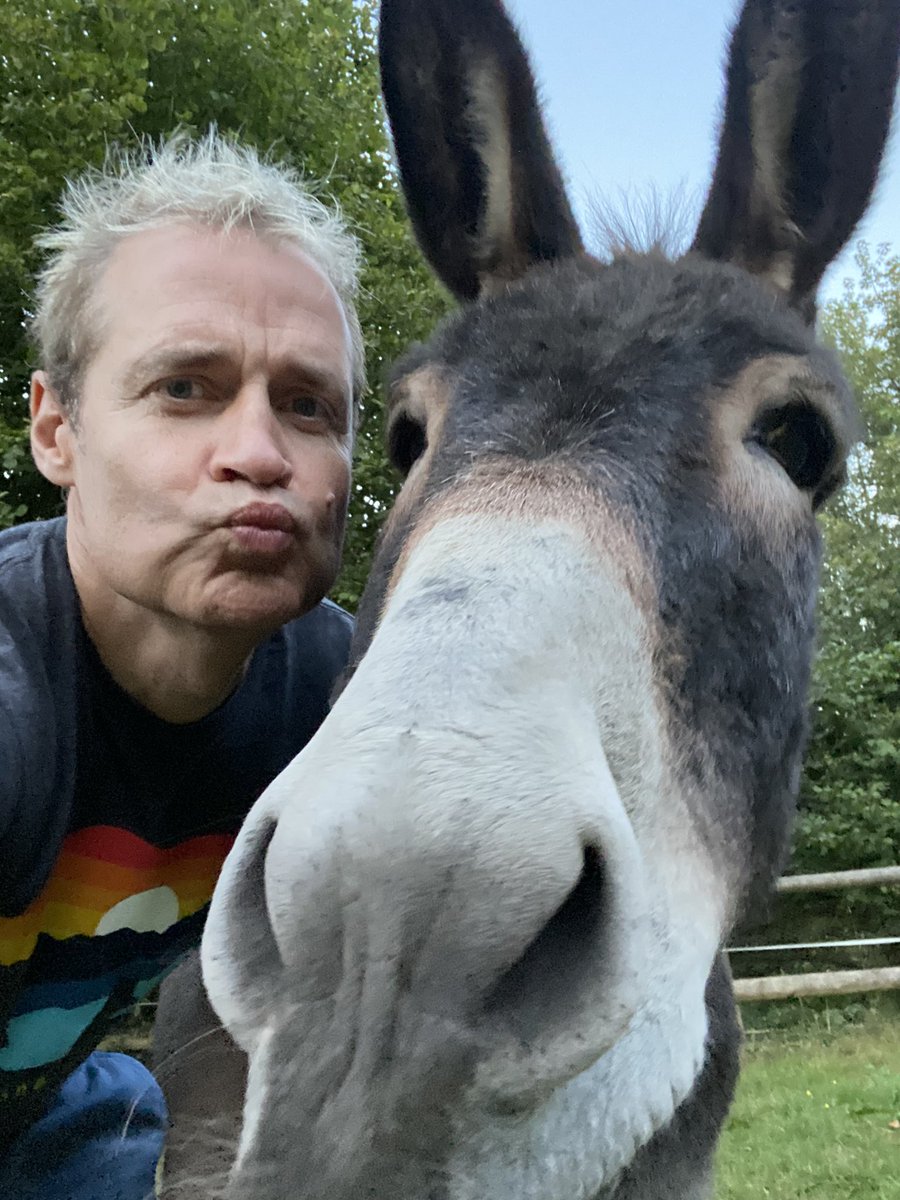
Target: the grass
(812, 1120)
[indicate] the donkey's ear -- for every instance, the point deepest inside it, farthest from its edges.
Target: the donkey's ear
(483, 189)
(809, 97)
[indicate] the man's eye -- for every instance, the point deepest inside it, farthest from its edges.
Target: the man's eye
(310, 407)
(183, 389)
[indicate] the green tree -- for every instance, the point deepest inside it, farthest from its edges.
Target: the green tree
(851, 795)
(850, 798)
(297, 78)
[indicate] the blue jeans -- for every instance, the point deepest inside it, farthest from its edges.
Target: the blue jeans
(101, 1139)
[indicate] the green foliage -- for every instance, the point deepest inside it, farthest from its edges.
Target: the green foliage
(13, 460)
(850, 798)
(851, 795)
(299, 78)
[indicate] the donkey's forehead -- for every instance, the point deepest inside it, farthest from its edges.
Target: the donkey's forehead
(579, 306)
(667, 333)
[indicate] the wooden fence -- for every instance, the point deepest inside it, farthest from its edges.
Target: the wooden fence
(824, 983)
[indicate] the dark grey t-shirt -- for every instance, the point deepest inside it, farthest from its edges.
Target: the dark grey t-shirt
(114, 823)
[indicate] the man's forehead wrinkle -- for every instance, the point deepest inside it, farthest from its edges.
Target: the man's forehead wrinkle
(205, 261)
(172, 355)
(292, 372)
(185, 353)
(177, 350)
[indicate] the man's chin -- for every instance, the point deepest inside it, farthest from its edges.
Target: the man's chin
(257, 607)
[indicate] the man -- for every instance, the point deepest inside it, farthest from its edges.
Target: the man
(165, 649)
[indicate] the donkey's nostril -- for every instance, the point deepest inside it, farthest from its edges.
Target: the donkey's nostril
(547, 976)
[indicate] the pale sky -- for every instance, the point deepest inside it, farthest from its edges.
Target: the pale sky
(632, 93)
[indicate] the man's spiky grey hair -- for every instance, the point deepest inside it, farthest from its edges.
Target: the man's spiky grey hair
(212, 181)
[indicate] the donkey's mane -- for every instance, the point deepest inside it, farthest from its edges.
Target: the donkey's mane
(645, 220)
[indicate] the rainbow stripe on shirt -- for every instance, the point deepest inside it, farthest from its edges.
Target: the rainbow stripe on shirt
(115, 916)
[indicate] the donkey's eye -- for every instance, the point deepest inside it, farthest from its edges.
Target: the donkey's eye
(406, 443)
(799, 439)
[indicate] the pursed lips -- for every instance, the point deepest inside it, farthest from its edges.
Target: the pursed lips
(264, 529)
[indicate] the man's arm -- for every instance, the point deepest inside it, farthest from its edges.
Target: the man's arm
(203, 1076)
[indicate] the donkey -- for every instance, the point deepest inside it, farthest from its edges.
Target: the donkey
(471, 938)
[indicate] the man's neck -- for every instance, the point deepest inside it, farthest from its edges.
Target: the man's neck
(179, 671)
(178, 680)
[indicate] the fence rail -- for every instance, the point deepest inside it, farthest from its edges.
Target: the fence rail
(825, 882)
(841, 945)
(824, 983)
(817, 983)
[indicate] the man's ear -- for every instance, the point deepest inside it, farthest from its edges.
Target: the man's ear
(52, 436)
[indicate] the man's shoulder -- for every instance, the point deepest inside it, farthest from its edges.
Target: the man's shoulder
(304, 659)
(24, 539)
(32, 557)
(285, 694)
(326, 620)
(38, 604)
(318, 644)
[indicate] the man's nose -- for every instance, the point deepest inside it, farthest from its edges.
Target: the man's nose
(250, 442)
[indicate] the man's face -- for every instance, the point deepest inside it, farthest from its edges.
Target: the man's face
(210, 467)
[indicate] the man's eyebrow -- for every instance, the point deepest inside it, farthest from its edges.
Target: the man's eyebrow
(306, 374)
(156, 364)
(170, 360)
